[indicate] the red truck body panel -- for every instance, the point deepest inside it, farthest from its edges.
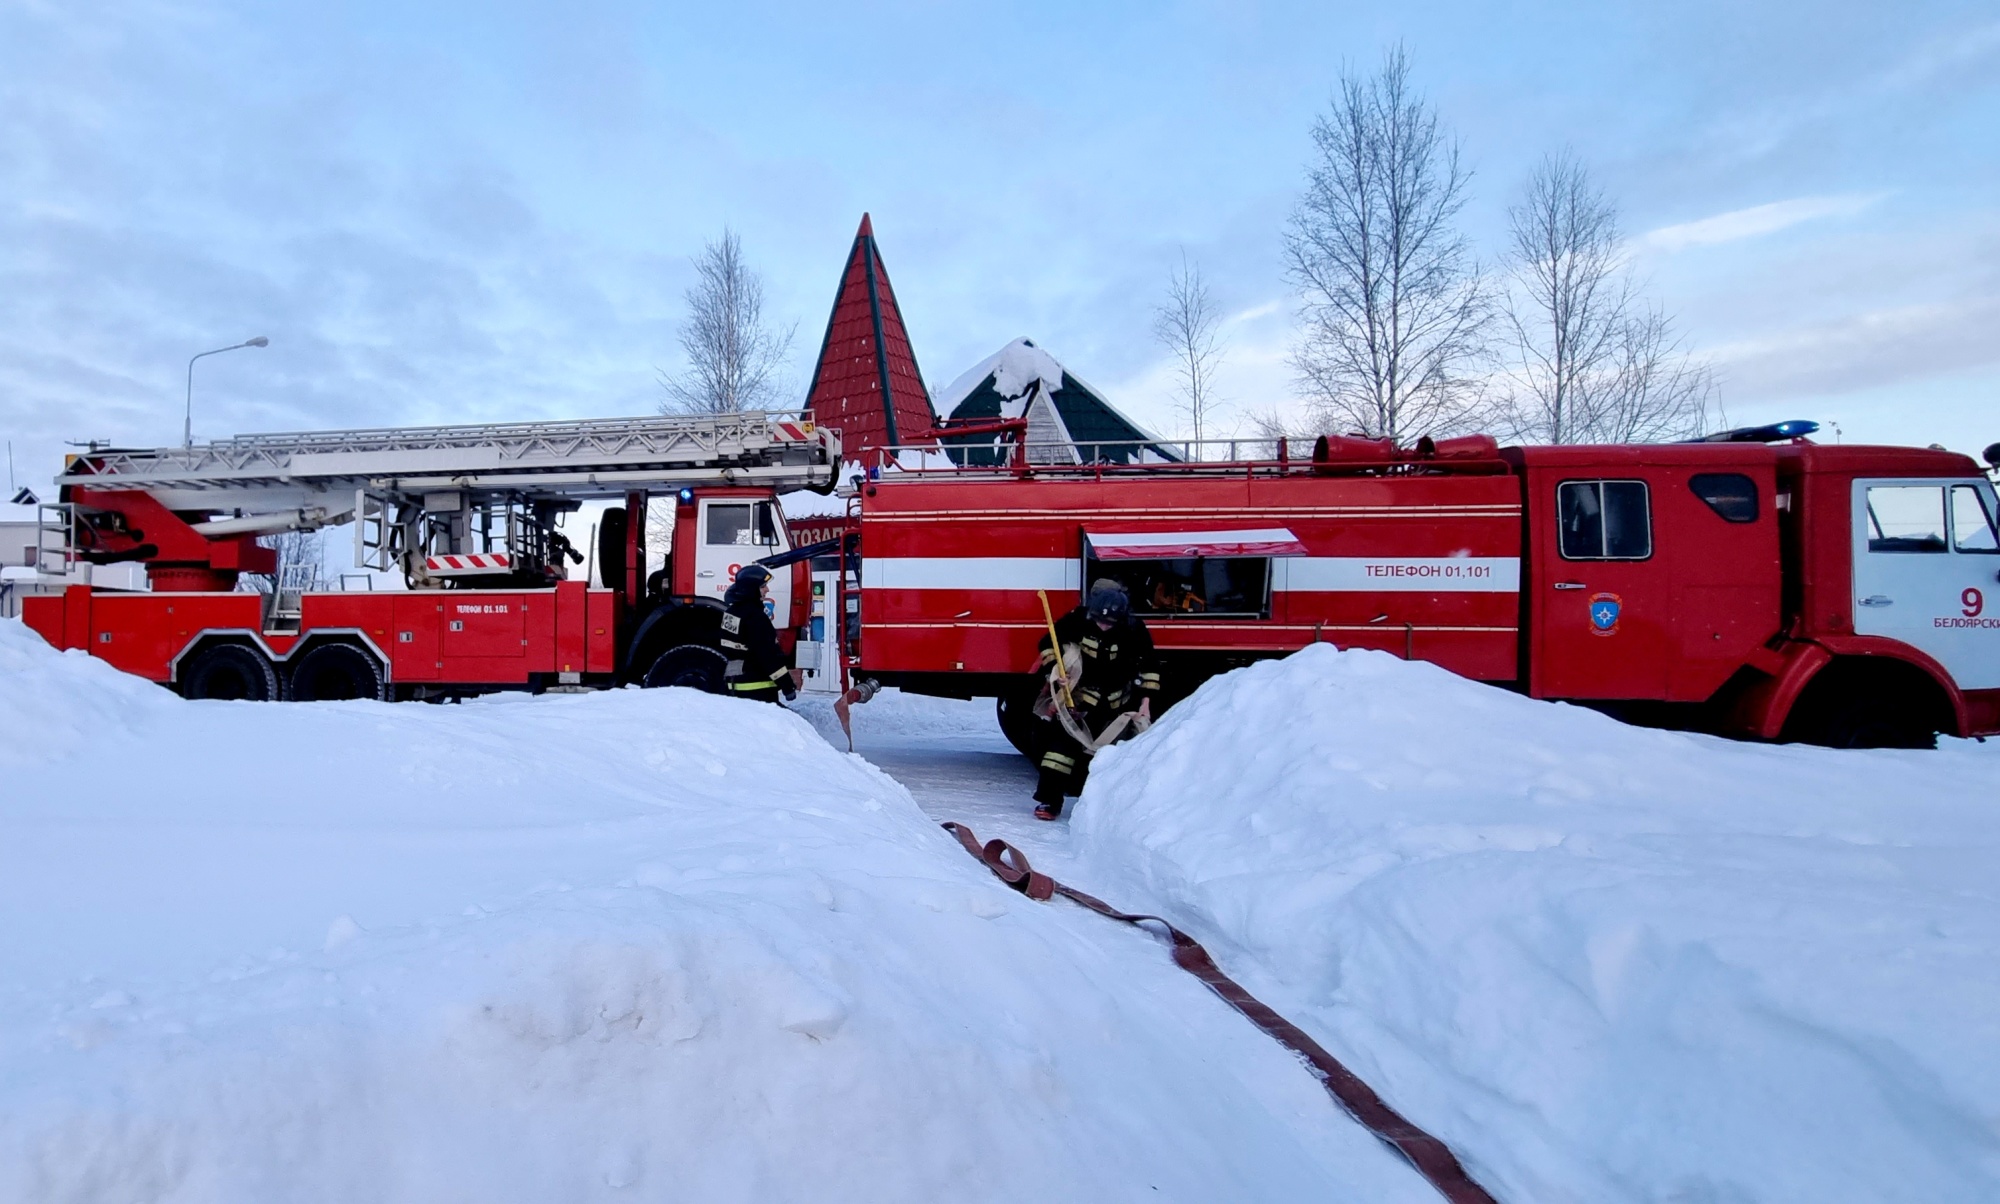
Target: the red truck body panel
(951, 568)
(474, 638)
(1689, 613)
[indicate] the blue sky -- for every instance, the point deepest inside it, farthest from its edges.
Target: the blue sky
(465, 211)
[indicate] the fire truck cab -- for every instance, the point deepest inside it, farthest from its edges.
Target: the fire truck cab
(1834, 594)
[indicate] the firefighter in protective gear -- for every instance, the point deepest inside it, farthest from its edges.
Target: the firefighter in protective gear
(757, 666)
(1116, 673)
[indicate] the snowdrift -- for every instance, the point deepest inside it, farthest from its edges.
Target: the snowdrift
(1604, 963)
(634, 945)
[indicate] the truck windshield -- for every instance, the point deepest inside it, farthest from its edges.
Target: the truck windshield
(1971, 523)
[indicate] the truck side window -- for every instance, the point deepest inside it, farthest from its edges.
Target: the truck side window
(1192, 586)
(1906, 518)
(1604, 520)
(728, 525)
(1971, 525)
(1730, 494)
(733, 525)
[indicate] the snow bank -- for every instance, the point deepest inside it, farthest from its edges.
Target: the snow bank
(633, 945)
(1605, 963)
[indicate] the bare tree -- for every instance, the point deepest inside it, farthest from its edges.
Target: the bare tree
(1392, 303)
(1269, 429)
(733, 354)
(1592, 363)
(301, 558)
(1185, 324)
(1658, 392)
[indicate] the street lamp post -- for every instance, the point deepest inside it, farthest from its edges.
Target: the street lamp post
(187, 423)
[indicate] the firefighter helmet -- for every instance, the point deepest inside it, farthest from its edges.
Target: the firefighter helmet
(1108, 602)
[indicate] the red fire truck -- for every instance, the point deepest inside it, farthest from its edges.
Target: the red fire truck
(1756, 584)
(472, 516)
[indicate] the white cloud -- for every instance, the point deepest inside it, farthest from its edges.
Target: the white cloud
(1254, 312)
(1756, 221)
(1939, 55)
(1899, 345)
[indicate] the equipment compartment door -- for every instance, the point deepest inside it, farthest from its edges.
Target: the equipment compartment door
(1602, 589)
(414, 650)
(1925, 568)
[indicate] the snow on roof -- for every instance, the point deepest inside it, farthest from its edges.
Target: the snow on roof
(804, 503)
(1010, 376)
(1012, 368)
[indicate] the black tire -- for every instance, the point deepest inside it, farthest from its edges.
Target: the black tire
(229, 672)
(335, 672)
(1016, 712)
(1869, 704)
(691, 666)
(611, 548)
(1875, 723)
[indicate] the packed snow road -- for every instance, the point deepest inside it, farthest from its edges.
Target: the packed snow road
(953, 760)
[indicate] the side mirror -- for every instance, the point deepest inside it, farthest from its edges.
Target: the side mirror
(1992, 454)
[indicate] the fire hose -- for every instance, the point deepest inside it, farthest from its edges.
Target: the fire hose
(1429, 1156)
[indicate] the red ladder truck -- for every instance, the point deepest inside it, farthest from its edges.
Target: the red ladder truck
(1755, 584)
(472, 517)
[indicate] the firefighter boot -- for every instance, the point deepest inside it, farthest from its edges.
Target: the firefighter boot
(1049, 793)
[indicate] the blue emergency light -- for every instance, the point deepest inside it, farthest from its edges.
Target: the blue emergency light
(1775, 432)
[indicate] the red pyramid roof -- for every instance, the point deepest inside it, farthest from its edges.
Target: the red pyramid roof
(866, 384)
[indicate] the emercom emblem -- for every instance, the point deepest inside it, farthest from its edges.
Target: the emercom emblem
(1604, 612)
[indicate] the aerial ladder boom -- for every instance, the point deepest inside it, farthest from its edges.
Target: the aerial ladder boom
(486, 495)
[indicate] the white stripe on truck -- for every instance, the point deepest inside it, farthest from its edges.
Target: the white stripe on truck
(1289, 574)
(1397, 574)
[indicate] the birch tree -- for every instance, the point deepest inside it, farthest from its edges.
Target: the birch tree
(734, 354)
(1592, 362)
(1186, 324)
(1392, 305)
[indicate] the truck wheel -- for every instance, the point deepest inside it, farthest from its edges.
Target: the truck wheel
(1875, 722)
(1016, 711)
(333, 672)
(1860, 704)
(692, 666)
(229, 672)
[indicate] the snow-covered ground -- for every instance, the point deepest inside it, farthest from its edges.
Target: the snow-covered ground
(653, 945)
(1604, 963)
(633, 945)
